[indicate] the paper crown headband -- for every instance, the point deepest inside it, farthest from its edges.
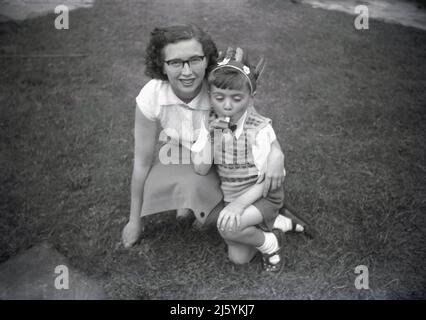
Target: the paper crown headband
(235, 59)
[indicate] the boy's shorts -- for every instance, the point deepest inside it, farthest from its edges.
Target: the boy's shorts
(269, 207)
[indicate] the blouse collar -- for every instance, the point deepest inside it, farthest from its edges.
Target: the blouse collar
(200, 103)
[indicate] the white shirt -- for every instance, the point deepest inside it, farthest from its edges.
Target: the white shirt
(181, 120)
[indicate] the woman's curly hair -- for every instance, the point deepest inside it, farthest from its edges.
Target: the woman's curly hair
(160, 37)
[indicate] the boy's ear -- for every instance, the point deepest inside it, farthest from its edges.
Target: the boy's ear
(260, 67)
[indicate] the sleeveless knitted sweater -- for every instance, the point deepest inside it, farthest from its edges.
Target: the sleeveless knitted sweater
(234, 158)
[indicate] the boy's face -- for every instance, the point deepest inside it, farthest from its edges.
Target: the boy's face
(230, 103)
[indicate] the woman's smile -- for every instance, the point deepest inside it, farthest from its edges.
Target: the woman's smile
(187, 82)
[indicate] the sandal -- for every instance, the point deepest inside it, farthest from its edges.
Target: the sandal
(289, 212)
(266, 262)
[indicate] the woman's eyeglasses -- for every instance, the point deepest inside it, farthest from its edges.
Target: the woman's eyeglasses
(178, 64)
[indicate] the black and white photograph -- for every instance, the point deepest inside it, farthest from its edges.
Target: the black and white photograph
(212, 150)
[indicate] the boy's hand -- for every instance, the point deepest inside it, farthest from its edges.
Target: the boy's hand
(219, 123)
(230, 217)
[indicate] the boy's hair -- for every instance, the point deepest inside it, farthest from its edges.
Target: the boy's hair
(227, 78)
(234, 71)
(160, 37)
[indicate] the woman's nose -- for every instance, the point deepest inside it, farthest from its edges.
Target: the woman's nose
(186, 70)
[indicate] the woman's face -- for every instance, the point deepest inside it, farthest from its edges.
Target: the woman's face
(185, 80)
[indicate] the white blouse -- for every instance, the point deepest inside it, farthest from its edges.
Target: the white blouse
(180, 121)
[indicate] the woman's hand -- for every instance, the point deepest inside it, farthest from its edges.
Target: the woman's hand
(274, 175)
(230, 217)
(131, 233)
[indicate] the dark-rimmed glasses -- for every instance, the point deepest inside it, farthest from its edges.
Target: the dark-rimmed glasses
(178, 64)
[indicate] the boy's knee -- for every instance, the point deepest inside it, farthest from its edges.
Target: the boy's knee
(238, 258)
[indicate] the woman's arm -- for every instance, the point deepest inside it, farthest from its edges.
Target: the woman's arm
(202, 168)
(202, 159)
(145, 140)
(202, 153)
(145, 136)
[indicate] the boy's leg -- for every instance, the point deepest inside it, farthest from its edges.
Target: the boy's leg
(270, 206)
(276, 213)
(243, 243)
(240, 253)
(247, 234)
(211, 220)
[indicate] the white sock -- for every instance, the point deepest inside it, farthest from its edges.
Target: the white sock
(270, 246)
(285, 224)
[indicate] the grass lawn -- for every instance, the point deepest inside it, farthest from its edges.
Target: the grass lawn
(348, 106)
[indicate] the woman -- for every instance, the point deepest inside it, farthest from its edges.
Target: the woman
(176, 100)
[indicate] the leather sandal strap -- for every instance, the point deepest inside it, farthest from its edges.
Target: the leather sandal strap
(270, 255)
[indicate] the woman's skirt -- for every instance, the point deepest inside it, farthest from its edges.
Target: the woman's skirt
(176, 186)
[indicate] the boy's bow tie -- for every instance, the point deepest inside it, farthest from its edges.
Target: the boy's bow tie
(232, 127)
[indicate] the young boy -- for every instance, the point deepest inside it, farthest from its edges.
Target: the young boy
(238, 142)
